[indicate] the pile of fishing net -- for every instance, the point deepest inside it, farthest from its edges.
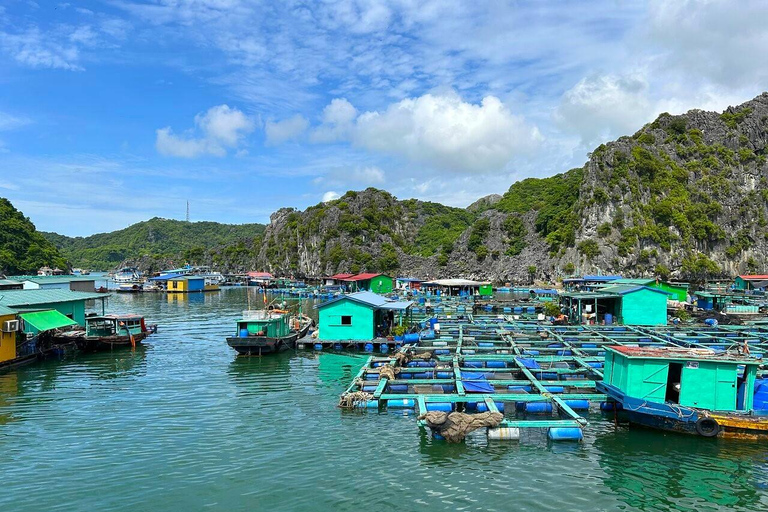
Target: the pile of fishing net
(403, 357)
(388, 371)
(356, 399)
(455, 426)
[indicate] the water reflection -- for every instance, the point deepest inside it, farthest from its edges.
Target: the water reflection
(650, 470)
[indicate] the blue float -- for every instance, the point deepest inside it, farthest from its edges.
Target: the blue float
(440, 406)
(577, 405)
(538, 407)
(565, 434)
(401, 403)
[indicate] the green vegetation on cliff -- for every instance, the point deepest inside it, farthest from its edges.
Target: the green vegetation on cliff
(23, 249)
(156, 238)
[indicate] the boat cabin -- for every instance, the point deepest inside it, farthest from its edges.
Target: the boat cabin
(698, 378)
(114, 325)
(623, 304)
(263, 323)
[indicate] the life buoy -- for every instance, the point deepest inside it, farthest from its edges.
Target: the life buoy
(707, 427)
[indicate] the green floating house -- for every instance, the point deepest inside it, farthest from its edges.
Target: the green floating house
(70, 305)
(677, 291)
(625, 304)
(376, 283)
(750, 281)
(359, 316)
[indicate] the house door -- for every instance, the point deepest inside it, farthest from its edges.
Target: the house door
(674, 375)
(725, 388)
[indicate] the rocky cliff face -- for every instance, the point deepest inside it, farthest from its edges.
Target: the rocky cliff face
(685, 196)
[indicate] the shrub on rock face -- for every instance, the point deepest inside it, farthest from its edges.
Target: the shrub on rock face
(588, 248)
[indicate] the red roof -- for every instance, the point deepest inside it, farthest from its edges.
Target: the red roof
(754, 277)
(361, 277)
(260, 274)
(341, 276)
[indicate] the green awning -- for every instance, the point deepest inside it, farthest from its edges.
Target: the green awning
(46, 320)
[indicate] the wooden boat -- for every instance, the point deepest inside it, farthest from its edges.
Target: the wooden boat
(129, 288)
(108, 332)
(268, 331)
(692, 391)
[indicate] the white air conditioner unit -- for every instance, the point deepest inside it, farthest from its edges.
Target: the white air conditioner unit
(11, 325)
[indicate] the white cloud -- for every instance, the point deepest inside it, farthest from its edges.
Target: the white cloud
(11, 122)
(39, 49)
(292, 128)
(220, 128)
(605, 106)
(725, 42)
(338, 120)
(330, 196)
(447, 133)
(354, 177)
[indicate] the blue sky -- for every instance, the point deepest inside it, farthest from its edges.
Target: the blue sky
(115, 111)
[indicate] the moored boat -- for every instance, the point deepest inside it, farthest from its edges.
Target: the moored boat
(128, 275)
(692, 391)
(129, 288)
(267, 331)
(107, 332)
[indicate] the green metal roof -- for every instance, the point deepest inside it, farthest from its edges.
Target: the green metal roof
(47, 320)
(623, 289)
(5, 310)
(18, 298)
(9, 282)
(51, 279)
(633, 281)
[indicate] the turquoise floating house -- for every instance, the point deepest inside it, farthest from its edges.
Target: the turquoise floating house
(697, 391)
(677, 291)
(360, 316)
(624, 304)
(750, 281)
(70, 304)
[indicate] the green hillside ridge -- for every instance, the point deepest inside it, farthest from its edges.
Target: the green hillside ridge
(156, 239)
(23, 249)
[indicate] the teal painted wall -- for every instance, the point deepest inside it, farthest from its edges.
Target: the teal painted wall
(740, 284)
(362, 327)
(710, 386)
(644, 307)
(74, 310)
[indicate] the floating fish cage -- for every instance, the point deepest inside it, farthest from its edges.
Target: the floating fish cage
(537, 376)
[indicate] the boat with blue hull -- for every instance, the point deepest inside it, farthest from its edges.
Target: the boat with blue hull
(692, 391)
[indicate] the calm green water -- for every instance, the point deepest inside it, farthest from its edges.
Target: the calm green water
(184, 425)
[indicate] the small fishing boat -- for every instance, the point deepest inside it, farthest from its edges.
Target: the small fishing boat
(694, 391)
(108, 332)
(129, 288)
(267, 331)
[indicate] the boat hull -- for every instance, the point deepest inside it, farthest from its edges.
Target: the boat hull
(104, 343)
(261, 345)
(685, 420)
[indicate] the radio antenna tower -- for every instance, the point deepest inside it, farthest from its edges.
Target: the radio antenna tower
(187, 210)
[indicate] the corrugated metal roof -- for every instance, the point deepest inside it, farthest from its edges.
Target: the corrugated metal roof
(5, 311)
(10, 282)
(456, 282)
(165, 277)
(47, 320)
(51, 279)
(369, 299)
(624, 280)
(362, 277)
(16, 298)
(754, 277)
(341, 276)
(623, 289)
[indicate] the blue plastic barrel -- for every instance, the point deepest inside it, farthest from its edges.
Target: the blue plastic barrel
(495, 364)
(337, 346)
(608, 319)
(442, 351)
(371, 404)
(398, 388)
(485, 344)
(318, 346)
(411, 337)
(531, 311)
(368, 347)
(538, 407)
(517, 310)
(554, 389)
(440, 406)
(565, 434)
(369, 389)
(444, 375)
(473, 364)
(401, 403)
(577, 405)
(482, 407)
(243, 333)
(371, 376)
(384, 348)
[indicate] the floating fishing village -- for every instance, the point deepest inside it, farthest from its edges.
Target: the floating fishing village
(408, 255)
(462, 354)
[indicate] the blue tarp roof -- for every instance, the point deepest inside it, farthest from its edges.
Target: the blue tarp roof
(165, 277)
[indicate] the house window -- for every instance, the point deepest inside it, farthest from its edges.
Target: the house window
(346, 320)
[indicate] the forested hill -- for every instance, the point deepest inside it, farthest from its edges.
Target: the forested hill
(686, 196)
(157, 243)
(23, 250)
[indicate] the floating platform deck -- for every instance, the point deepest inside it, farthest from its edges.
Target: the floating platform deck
(538, 376)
